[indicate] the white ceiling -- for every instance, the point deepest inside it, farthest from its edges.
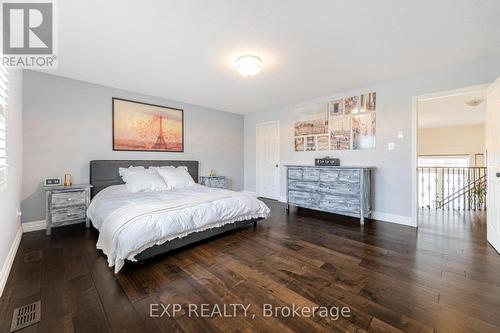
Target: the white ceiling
(184, 50)
(452, 111)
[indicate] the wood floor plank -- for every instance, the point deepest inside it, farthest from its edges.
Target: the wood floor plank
(87, 312)
(120, 313)
(55, 297)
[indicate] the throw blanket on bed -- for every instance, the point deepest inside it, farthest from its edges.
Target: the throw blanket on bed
(122, 217)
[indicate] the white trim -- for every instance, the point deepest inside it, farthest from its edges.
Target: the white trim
(7, 265)
(414, 137)
(451, 92)
(282, 198)
(414, 160)
(392, 218)
(33, 226)
(257, 156)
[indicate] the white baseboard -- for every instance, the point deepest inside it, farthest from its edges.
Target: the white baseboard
(33, 226)
(7, 265)
(398, 219)
(282, 199)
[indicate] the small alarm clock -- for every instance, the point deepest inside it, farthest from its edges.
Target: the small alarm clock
(327, 161)
(52, 182)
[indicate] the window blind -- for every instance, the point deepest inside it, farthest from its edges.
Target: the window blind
(3, 125)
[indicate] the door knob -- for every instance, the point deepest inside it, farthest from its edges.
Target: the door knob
(498, 174)
(277, 166)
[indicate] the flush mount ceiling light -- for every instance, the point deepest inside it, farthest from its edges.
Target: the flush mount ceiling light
(249, 65)
(474, 102)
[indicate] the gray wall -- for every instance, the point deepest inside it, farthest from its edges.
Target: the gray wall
(10, 193)
(392, 181)
(67, 123)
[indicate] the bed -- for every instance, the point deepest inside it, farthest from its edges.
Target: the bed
(141, 225)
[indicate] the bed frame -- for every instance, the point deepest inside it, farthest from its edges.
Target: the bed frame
(104, 173)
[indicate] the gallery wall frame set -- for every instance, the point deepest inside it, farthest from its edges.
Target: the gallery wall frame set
(342, 124)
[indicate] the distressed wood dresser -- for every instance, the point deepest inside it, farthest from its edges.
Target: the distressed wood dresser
(66, 205)
(339, 190)
(213, 181)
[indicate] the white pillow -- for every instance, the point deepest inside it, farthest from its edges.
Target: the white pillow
(138, 179)
(176, 177)
(125, 172)
(161, 167)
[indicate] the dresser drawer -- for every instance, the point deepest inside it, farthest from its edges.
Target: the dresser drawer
(215, 181)
(301, 185)
(303, 199)
(64, 199)
(351, 176)
(68, 214)
(294, 173)
(339, 204)
(339, 188)
(310, 174)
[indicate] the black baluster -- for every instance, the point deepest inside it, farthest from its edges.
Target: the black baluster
(429, 187)
(463, 185)
(448, 187)
(453, 188)
(442, 188)
(474, 189)
(468, 186)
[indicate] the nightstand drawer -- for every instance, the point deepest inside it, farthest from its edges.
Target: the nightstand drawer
(64, 199)
(214, 181)
(68, 214)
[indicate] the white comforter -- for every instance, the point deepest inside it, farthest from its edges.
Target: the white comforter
(129, 223)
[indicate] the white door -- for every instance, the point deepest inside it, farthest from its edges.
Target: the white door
(493, 164)
(268, 152)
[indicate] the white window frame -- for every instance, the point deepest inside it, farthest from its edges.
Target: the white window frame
(3, 127)
(444, 158)
(3, 146)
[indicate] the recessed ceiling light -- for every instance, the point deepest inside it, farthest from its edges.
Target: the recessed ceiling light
(249, 65)
(474, 102)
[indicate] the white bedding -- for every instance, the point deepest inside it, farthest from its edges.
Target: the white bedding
(129, 223)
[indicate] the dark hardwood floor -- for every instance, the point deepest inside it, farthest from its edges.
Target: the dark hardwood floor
(442, 278)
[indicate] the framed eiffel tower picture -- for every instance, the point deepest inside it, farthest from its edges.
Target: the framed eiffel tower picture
(147, 127)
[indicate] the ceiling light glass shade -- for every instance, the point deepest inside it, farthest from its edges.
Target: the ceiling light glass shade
(249, 65)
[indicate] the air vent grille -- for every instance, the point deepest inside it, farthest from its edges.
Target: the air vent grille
(33, 256)
(25, 316)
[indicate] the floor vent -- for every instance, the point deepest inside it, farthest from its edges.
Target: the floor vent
(33, 256)
(25, 316)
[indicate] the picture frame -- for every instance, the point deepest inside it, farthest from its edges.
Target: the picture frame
(139, 126)
(336, 107)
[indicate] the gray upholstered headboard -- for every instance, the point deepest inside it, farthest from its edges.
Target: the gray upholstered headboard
(104, 173)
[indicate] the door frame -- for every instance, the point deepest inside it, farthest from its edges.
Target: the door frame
(257, 171)
(492, 232)
(414, 137)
